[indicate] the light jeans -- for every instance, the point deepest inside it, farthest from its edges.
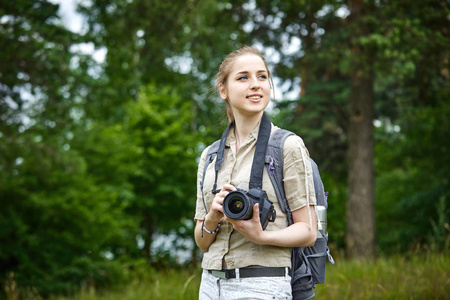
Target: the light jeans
(264, 288)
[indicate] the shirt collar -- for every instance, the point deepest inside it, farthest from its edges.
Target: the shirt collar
(252, 136)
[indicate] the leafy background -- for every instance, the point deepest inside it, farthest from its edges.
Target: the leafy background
(98, 158)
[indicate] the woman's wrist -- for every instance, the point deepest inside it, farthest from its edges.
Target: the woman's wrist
(205, 227)
(211, 231)
(212, 219)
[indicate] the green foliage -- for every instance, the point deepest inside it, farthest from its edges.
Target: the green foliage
(337, 195)
(98, 157)
(405, 44)
(413, 181)
(160, 127)
(161, 42)
(34, 53)
(56, 222)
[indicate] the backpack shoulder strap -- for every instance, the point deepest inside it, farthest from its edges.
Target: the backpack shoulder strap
(210, 156)
(274, 157)
(321, 196)
(274, 161)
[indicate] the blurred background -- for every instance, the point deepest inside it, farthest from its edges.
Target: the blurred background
(106, 106)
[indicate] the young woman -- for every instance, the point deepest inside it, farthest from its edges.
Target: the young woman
(259, 259)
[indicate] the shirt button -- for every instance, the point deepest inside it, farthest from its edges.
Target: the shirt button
(230, 263)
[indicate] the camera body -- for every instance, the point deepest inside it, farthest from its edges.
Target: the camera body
(239, 204)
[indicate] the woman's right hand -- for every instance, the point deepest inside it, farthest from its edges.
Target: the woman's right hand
(216, 211)
(204, 240)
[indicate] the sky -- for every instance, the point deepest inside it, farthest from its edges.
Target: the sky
(67, 11)
(76, 23)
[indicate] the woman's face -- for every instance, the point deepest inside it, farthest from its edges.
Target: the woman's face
(247, 88)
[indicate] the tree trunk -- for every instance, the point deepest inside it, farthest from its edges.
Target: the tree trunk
(360, 233)
(360, 237)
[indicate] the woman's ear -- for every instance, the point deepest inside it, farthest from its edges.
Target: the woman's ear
(222, 91)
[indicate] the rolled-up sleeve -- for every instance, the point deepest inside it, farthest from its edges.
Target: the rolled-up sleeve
(296, 166)
(200, 212)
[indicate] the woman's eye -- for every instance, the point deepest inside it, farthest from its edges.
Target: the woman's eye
(242, 78)
(263, 76)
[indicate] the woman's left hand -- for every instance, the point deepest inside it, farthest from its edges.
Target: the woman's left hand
(250, 229)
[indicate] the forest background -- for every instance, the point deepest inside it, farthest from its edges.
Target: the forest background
(98, 157)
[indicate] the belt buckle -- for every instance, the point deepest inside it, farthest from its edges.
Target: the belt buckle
(220, 274)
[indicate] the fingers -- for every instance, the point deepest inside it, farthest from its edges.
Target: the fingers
(227, 187)
(217, 204)
(256, 213)
(251, 229)
(216, 207)
(243, 224)
(223, 193)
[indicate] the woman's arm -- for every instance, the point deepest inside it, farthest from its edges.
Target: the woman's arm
(211, 220)
(207, 239)
(298, 234)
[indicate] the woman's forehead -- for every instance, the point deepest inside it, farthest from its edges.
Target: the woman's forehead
(248, 63)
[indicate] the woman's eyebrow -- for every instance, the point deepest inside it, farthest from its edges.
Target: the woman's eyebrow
(246, 72)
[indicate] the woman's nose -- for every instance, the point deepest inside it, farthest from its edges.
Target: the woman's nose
(254, 84)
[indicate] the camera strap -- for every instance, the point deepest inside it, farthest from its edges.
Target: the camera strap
(256, 174)
(219, 158)
(259, 157)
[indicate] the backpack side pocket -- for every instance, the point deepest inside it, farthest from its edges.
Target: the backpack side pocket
(316, 256)
(302, 282)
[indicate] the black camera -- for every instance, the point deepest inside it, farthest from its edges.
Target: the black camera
(239, 205)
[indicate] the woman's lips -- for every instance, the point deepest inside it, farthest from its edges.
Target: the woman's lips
(254, 98)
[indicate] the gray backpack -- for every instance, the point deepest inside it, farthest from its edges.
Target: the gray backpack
(308, 263)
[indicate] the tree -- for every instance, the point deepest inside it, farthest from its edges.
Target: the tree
(159, 122)
(155, 48)
(160, 42)
(348, 50)
(360, 235)
(324, 38)
(411, 160)
(58, 224)
(88, 163)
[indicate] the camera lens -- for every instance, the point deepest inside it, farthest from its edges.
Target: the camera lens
(235, 205)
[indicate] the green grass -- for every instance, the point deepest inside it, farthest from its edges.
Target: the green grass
(167, 285)
(400, 277)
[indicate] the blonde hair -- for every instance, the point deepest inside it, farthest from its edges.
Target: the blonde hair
(225, 69)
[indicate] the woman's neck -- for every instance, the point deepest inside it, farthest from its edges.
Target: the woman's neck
(243, 126)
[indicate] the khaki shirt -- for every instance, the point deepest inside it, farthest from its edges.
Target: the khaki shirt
(230, 245)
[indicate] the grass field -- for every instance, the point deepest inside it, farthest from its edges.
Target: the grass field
(400, 277)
